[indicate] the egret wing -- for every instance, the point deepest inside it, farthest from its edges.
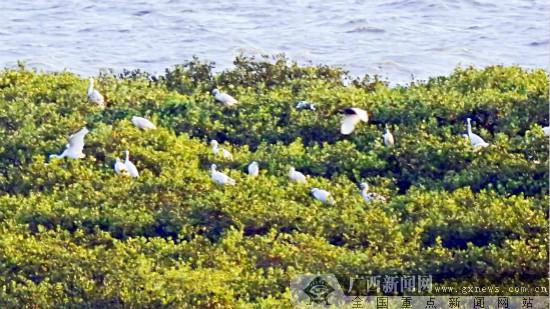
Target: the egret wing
(96, 97)
(348, 124)
(361, 113)
(227, 99)
(388, 139)
(132, 169)
(476, 139)
(76, 141)
(143, 123)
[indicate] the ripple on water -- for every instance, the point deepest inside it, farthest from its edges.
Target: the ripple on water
(539, 43)
(355, 21)
(366, 29)
(142, 13)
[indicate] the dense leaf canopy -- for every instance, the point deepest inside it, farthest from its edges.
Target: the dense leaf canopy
(74, 233)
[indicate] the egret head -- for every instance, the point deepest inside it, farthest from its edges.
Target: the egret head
(468, 120)
(292, 169)
(313, 190)
(215, 91)
(364, 186)
(213, 167)
(214, 143)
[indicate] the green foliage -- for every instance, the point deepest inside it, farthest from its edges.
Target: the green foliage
(75, 234)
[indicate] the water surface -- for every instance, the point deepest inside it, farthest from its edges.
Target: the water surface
(396, 39)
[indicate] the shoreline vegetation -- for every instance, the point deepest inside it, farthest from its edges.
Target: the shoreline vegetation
(77, 234)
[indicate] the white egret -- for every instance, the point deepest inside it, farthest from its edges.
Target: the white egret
(120, 167)
(219, 177)
(305, 105)
(224, 98)
(94, 96)
(75, 146)
(370, 196)
(130, 167)
(475, 139)
(322, 195)
(143, 123)
(546, 131)
(296, 176)
(253, 169)
(220, 151)
(352, 116)
(388, 138)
